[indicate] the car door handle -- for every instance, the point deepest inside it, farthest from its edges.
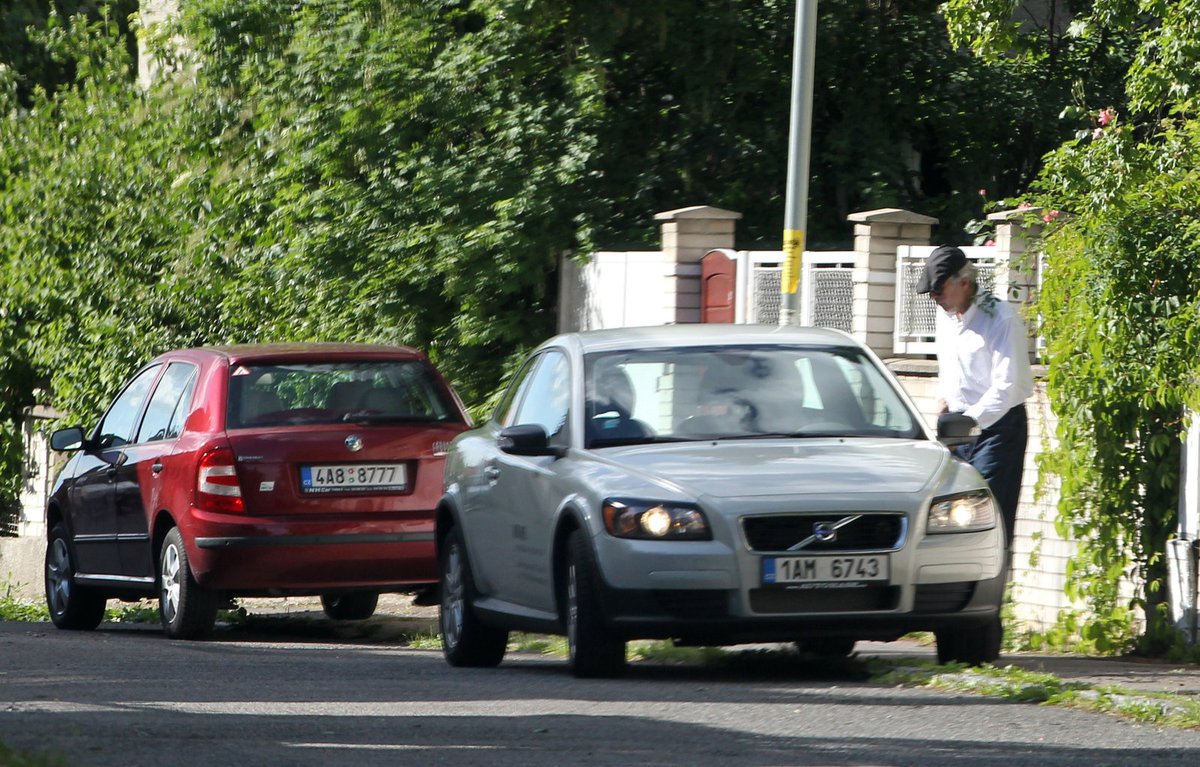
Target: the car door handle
(110, 472)
(492, 473)
(156, 467)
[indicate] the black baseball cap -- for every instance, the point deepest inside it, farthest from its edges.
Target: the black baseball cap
(943, 263)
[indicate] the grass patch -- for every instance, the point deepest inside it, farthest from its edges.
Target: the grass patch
(12, 609)
(1021, 686)
(11, 758)
(425, 640)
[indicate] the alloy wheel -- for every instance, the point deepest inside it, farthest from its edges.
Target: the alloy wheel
(453, 596)
(58, 576)
(169, 596)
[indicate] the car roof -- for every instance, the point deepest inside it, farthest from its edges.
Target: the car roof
(292, 351)
(702, 335)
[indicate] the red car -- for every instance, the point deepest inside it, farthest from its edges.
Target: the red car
(264, 470)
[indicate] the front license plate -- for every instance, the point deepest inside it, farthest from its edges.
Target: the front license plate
(843, 569)
(356, 477)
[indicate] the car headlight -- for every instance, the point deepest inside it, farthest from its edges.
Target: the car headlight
(652, 520)
(968, 512)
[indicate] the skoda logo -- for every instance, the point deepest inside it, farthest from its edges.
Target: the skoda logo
(354, 443)
(824, 532)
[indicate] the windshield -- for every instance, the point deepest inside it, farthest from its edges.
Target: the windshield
(283, 394)
(740, 392)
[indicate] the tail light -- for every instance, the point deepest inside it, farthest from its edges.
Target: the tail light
(217, 486)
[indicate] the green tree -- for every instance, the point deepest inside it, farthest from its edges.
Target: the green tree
(1120, 299)
(412, 171)
(22, 54)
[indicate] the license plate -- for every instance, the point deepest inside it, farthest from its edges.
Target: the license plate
(356, 477)
(840, 569)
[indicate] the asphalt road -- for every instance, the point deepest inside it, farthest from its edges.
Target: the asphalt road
(127, 696)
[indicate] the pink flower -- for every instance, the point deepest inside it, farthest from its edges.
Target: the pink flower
(990, 244)
(1106, 116)
(1024, 206)
(983, 193)
(1050, 216)
(1097, 132)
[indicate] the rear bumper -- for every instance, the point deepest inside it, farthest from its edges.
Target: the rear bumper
(391, 552)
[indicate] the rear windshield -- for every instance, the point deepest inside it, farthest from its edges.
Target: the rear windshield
(284, 394)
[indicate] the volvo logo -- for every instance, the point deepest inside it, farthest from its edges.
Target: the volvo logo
(354, 443)
(825, 532)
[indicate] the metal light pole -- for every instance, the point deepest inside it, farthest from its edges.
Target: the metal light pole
(795, 217)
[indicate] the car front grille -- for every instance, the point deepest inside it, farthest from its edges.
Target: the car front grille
(784, 600)
(851, 532)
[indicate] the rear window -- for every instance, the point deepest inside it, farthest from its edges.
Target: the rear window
(285, 394)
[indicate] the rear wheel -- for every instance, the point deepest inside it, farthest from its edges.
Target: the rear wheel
(354, 606)
(973, 644)
(466, 640)
(594, 651)
(187, 609)
(71, 606)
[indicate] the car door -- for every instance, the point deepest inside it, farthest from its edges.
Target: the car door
(523, 493)
(145, 470)
(93, 497)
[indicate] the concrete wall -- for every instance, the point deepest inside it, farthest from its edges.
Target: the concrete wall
(21, 568)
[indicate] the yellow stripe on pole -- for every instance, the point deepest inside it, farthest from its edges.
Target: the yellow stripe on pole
(793, 248)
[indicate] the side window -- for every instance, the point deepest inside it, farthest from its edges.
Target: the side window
(117, 427)
(506, 409)
(547, 397)
(164, 418)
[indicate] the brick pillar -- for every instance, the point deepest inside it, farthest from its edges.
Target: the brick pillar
(39, 467)
(687, 234)
(877, 234)
(1017, 264)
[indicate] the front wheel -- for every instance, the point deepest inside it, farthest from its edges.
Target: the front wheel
(594, 651)
(71, 606)
(187, 609)
(355, 606)
(466, 640)
(973, 644)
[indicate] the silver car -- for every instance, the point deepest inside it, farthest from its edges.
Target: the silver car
(715, 485)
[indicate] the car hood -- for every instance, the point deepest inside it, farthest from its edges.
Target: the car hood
(754, 468)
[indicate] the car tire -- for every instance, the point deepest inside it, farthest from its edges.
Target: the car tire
(972, 643)
(466, 640)
(354, 606)
(187, 609)
(594, 652)
(833, 647)
(73, 607)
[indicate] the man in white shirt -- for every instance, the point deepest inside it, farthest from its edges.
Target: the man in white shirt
(983, 372)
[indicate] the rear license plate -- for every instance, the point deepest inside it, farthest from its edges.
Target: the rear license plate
(353, 477)
(842, 569)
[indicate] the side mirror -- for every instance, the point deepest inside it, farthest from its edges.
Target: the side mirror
(528, 439)
(67, 439)
(954, 429)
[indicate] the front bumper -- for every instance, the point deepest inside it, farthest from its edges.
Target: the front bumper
(714, 593)
(710, 616)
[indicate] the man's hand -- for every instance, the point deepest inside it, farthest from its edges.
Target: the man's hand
(942, 407)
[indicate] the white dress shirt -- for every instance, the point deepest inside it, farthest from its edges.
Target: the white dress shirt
(983, 359)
